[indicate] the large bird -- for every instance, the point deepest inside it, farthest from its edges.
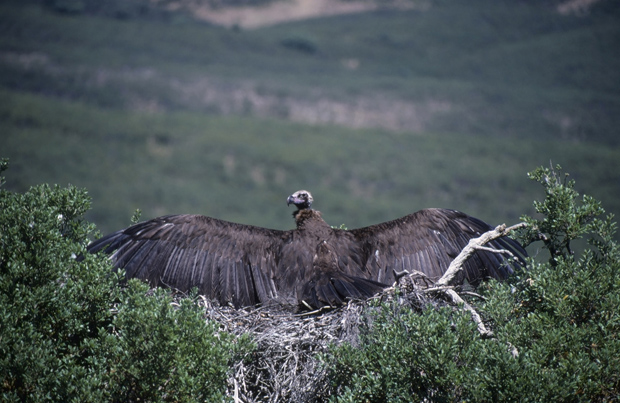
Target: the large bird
(313, 265)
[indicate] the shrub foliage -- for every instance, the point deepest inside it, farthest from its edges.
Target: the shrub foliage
(72, 331)
(556, 325)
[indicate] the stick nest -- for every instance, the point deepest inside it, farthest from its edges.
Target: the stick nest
(285, 364)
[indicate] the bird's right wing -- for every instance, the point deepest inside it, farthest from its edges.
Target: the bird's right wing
(230, 262)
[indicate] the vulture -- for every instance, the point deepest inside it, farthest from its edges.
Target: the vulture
(312, 266)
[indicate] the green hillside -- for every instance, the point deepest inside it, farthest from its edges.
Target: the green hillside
(378, 114)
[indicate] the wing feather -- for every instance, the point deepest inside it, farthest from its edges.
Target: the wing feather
(329, 294)
(264, 290)
(208, 273)
(139, 253)
(345, 288)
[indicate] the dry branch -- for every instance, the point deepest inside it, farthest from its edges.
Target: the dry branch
(456, 266)
(443, 285)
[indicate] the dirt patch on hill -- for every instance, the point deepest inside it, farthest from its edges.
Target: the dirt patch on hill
(280, 11)
(276, 12)
(246, 97)
(575, 6)
(363, 111)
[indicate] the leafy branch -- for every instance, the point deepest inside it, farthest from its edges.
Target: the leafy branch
(565, 217)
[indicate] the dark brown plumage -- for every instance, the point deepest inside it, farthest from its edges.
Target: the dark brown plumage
(313, 265)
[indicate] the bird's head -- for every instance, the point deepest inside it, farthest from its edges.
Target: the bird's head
(302, 199)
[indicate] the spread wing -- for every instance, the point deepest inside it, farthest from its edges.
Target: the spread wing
(427, 241)
(230, 262)
(246, 265)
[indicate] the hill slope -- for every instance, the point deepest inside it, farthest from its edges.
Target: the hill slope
(379, 114)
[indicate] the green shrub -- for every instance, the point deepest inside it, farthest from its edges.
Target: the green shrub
(69, 329)
(301, 43)
(556, 326)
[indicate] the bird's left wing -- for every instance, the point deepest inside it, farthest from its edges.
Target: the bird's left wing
(427, 241)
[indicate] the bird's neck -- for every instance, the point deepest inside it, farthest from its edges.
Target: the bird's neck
(308, 218)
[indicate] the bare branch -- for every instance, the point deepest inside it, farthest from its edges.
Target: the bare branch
(457, 264)
(493, 250)
(443, 285)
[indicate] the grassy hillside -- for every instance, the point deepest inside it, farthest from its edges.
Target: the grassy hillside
(242, 169)
(377, 114)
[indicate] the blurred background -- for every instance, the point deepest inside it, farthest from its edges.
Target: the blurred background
(379, 108)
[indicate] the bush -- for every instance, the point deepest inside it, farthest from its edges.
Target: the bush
(300, 42)
(556, 325)
(71, 331)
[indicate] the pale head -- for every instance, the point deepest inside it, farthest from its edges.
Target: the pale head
(302, 199)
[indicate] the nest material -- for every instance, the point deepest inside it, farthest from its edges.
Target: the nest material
(285, 366)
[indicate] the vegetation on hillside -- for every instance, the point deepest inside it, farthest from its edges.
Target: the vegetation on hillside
(185, 163)
(175, 116)
(498, 68)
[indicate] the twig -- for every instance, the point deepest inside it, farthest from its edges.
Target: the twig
(493, 250)
(457, 300)
(473, 294)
